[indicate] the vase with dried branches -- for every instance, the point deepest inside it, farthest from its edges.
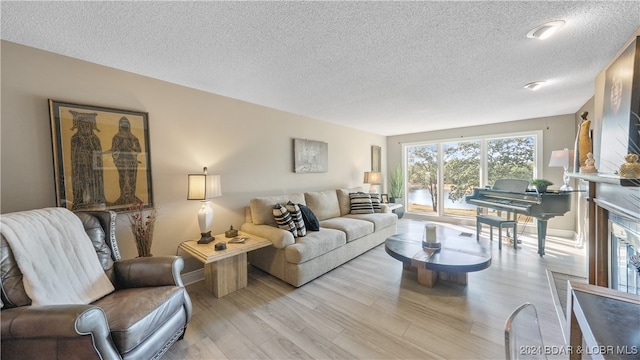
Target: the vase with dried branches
(142, 222)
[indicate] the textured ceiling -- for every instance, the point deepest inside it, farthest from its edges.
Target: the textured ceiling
(385, 67)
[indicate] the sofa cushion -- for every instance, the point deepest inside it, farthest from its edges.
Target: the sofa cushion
(262, 207)
(296, 216)
(343, 199)
(311, 222)
(323, 203)
(132, 322)
(353, 228)
(380, 221)
(361, 203)
(283, 218)
(314, 244)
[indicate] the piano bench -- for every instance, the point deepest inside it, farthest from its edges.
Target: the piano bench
(498, 222)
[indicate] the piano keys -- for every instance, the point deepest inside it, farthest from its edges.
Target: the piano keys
(542, 206)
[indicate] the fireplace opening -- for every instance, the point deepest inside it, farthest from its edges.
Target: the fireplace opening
(625, 254)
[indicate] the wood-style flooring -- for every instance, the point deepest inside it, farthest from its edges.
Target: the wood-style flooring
(370, 308)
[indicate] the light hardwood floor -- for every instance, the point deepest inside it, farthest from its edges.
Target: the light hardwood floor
(370, 308)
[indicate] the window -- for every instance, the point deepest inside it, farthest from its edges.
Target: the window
(451, 169)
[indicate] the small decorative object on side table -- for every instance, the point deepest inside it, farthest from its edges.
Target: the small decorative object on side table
(231, 232)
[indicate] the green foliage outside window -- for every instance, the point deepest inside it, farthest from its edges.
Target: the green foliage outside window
(507, 158)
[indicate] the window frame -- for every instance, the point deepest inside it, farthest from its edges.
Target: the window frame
(537, 158)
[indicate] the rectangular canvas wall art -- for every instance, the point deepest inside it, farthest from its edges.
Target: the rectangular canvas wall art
(101, 157)
(310, 156)
(621, 113)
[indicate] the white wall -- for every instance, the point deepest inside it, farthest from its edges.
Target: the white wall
(249, 145)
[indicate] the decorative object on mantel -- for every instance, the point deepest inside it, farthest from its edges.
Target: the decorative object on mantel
(430, 238)
(142, 223)
(204, 187)
(583, 142)
(231, 232)
(541, 184)
(630, 169)
(562, 158)
(589, 165)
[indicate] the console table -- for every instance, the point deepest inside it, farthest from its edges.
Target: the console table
(607, 320)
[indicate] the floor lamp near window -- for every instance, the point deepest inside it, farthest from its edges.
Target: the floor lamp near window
(204, 187)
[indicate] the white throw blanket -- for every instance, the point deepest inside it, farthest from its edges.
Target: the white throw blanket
(57, 259)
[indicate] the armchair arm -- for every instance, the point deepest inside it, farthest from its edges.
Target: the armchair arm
(62, 321)
(149, 271)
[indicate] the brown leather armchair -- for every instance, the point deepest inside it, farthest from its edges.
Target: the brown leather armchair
(141, 319)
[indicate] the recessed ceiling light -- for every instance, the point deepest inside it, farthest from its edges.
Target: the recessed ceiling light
(544, 31)
(535, 85)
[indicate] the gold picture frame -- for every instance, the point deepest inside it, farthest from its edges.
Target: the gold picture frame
(101, 157)
(376, 158)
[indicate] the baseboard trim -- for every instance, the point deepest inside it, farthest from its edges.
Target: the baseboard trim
(193, 276)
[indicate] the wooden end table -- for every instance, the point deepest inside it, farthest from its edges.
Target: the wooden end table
(225, 271)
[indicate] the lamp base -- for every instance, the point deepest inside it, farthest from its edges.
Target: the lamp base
(206, 238)
(566, 187)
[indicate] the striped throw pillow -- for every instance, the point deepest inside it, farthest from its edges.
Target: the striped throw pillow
(375, 202)
(360, 203)
(283, 219)
(298, 220)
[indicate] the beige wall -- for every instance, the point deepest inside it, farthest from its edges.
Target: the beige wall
(249, 145)
(558, 132)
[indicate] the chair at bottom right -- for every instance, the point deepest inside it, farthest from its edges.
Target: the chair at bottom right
(522, 335)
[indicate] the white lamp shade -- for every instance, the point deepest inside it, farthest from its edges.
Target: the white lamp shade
(373, 178)
(203, 187)
(561, 158)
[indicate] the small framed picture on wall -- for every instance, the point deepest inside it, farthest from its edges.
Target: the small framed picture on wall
(384, 198)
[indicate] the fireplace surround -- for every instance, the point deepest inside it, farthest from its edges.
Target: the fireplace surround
(612, 233)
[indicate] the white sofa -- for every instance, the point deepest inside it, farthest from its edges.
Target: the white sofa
(342, 236)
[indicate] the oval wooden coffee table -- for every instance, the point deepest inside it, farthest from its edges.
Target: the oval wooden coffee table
(458, 256)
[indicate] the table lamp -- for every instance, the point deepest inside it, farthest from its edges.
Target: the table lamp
(372, 178)
(204, 187)
(562, 158)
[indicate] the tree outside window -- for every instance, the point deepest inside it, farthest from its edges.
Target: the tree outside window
(508, 157)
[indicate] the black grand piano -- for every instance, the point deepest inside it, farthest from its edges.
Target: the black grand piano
(512, 195)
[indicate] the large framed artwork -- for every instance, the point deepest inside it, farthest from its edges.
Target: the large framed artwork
(621, 113)
(310, 156)
(101, 157)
